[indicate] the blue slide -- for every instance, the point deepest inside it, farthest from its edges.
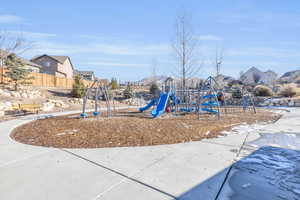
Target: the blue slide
(210, 110)
(210, 96)
(149, 105)
(210, 103)
(162, 103)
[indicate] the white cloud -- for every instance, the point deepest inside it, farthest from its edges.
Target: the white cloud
(209, 37)
(98, 37)
(117, 64)
(101, 48)
(10, 19)
(283, 20)
(92, 37)
(263, 51)
(229, 18)
(254, 63)
(31, 35)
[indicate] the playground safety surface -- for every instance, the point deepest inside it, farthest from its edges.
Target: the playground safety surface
(129, 128)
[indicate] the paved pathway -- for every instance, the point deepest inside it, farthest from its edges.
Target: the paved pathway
(269, 163)
(195, 170)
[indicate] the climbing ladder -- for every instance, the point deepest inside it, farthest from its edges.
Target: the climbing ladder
(208, 98)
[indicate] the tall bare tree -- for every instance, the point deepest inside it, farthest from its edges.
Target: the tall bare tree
(154, 65)
(186, 49)
(218, 60)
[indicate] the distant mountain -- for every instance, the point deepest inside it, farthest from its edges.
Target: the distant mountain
(149, 80)
(224, 79)
(270, 77)
(254, 75)
(290, 76)
(192, 82)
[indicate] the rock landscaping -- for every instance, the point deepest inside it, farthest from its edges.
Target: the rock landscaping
(23, 93)
(267, 101)
(134, 101)
(285, 102)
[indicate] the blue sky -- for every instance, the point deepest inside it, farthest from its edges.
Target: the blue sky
(122, 38)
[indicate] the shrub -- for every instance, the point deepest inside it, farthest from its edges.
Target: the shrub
(154, 90)
(297, 80)
(289, 91)
(263, 91)
(110, 94)
(78, 89)
(128, 92)
(114, 84)
(17, 73)
(237, 93)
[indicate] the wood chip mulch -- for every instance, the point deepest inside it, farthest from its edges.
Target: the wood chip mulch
(128, 128)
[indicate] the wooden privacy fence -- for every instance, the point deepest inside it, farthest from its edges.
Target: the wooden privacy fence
(45, 80)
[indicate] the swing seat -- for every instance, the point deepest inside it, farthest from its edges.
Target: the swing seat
(96, 113)
(83, 115)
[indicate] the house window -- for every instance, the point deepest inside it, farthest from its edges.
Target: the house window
(47, 64)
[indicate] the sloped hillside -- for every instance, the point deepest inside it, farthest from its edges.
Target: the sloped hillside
(290, 76)
(254, 75)
(149, 80)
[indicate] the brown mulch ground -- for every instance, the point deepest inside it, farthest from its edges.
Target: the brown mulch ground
(128, 128)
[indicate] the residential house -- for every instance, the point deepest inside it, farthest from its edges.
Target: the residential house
(86, 75)
(60, 66)
(104, 81)
(30, 66)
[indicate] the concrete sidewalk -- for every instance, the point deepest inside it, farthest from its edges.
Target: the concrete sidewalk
(195, 170)
(268, 164)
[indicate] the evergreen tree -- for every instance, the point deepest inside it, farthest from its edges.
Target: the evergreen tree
(154, 90)
(78, 89)
(114, 84)
(17, 73)
(128, 92)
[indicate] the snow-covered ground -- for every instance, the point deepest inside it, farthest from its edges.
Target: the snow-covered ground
(268, 165)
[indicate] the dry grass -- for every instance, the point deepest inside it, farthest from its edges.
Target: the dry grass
(130, 129)
(262, 90)
(290, 90)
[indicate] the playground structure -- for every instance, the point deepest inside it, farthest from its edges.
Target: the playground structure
(96, 91)
(206, 98)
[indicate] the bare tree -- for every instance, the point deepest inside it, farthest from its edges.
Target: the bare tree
(186, 49)
(11, 43)
(218, 60)
(154, 65)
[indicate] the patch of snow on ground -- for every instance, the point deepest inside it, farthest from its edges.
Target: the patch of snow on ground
(70, 132)
(245, 128)
(271, 172)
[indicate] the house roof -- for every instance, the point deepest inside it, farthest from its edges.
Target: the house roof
(84, 72)
(25, 61)
(60, 59)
